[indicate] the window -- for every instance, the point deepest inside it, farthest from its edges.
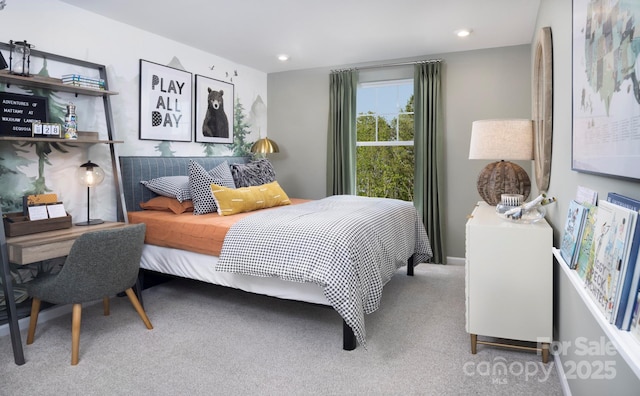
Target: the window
(384, 147)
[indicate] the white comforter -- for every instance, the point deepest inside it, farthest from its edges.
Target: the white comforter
(349, 245)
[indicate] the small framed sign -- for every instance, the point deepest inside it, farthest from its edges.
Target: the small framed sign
(19, 112)
(44, 129)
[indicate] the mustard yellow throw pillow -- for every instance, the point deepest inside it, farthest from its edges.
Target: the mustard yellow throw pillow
(245, 199)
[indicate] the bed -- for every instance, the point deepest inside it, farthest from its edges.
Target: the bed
(257, 251)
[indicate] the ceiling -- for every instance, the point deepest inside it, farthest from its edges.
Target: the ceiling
(326, 33)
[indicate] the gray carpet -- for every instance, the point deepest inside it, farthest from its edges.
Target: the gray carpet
(210, 340)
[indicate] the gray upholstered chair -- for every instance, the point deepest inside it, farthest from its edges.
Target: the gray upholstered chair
(100, 264)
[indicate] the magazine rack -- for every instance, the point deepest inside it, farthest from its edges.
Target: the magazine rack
(624, 341)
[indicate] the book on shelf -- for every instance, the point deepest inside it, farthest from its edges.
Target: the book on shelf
(84, 85)
(584, 256)
(630, 277)
(574, 224)
(634, 327)
(586, 195)
(611, 240)
(85, 80)
(82, 81)
(78, 77)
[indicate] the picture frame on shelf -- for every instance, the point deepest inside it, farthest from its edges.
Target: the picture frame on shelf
(165, 102)
(215, 101)
(606, 98)
(19, 112)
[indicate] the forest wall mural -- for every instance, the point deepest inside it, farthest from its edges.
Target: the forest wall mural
(43, 167)
(37, 167)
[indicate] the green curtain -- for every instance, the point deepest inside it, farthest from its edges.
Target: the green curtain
(341, 161)
(429, 154)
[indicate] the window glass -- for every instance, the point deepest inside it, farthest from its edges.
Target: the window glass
(384, 148)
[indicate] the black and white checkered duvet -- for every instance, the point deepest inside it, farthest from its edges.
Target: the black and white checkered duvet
(349, 245)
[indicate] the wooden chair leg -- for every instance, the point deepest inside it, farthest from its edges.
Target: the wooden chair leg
(138, 307)
(105, 306)
(75, 333)
(33, 320)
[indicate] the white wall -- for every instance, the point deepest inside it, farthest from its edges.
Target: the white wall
(564, 181)
(493, 83)
(573, 322)
(57, 27)
(298, 123)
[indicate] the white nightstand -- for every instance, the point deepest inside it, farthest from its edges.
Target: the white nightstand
(509, 280)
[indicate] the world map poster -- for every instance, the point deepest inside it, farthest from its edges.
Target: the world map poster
(606, 87)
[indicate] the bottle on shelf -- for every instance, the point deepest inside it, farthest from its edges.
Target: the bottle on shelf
(71, 122)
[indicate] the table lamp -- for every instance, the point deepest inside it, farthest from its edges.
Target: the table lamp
(510, 139)
(265, 146)
(90, 175)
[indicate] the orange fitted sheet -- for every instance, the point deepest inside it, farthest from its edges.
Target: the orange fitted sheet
(201, 234)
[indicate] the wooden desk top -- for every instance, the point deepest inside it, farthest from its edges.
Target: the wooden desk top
(27, 249)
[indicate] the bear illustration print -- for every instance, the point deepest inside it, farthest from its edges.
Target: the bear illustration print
(215, 120)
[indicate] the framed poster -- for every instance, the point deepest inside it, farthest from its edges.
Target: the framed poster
(214, 110)
(165, 103)
(606, 88)
(20, 112)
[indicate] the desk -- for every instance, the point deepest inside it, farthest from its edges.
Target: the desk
(27, 249)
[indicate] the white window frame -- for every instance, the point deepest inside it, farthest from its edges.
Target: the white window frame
(376, 115)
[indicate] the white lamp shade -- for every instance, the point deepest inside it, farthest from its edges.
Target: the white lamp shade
(502, 140)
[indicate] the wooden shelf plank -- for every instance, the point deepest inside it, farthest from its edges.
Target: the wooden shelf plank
(57, 140)
(53, 84)
(624, 342)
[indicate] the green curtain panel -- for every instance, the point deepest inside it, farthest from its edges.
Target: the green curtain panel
(429, 153)
(341, 164)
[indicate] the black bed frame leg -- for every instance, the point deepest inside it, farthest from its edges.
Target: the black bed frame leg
(410, 266)
(348, 338)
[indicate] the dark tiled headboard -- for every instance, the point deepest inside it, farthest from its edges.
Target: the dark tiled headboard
(135, 169)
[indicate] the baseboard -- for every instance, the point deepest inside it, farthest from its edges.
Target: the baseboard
(456, 260)
(564, 384)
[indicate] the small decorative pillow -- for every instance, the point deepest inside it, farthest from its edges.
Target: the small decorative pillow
(245, 199)
(170, 186)
(167, 203)
(255, 173)
(200, 182)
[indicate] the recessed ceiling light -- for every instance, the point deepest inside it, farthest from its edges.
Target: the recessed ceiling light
(283, 57)
(463, 32)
